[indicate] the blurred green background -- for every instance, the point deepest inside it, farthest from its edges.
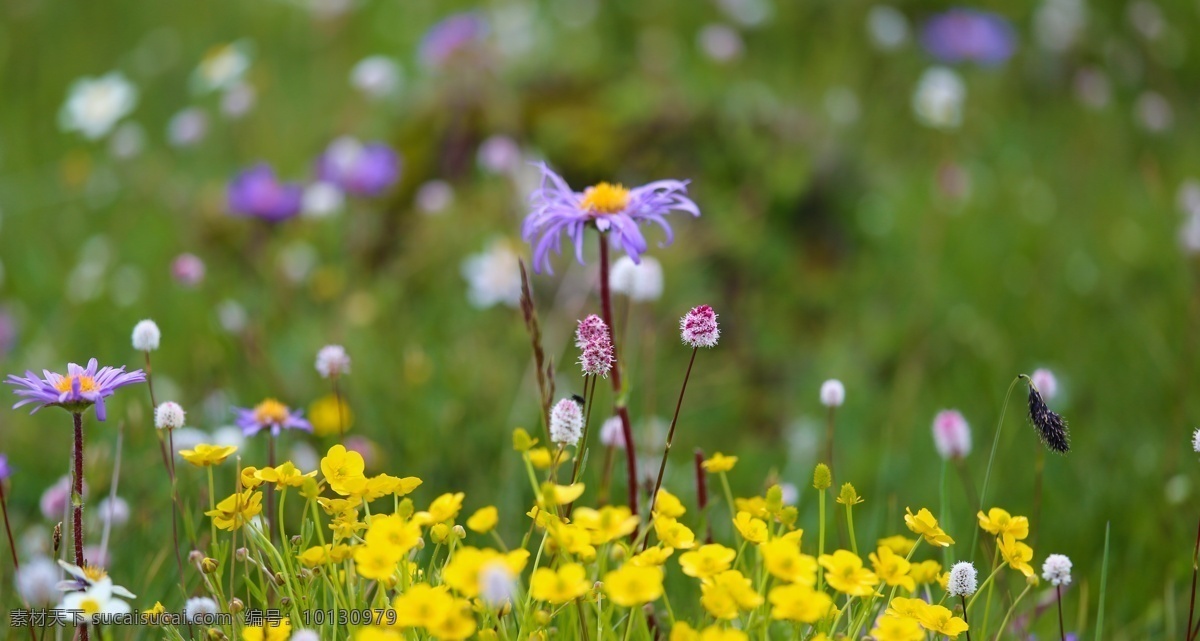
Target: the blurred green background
(840, 237)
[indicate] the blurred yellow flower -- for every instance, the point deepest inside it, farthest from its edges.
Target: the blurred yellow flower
(940, 619)
(442, 509)
(205, 455)
(554, 494)
(326, 420)
(684, 632)
(606, 524)
(631, 586)
(668, 504)
(924, 524)
(522, 441)
(719, 463)
(892, 569)
(542, 459)
(925, 572)
(844, 572)
(567, 583)
(285, 475)
(898, 543)
(897, 629)
(799, 602)
(321, 554)
(394, 533)
(377, 634)
(752, 529)
(236, 510)
(653, 556)
(727, 594)
(376, 562)
(906, 608)
(278, 631)
(674, 534)
(1001, 523)
(423, 606)
(756, 506)
(484, 519)
(707, 560)
(782, 558)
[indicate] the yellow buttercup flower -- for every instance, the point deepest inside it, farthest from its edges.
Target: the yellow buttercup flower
(522, 441)
(898, 543)
(684, 632)
(285, 475)
(925, 572)
(674, 534)
(462, 571)
(844, 572)
(377, 634)
(553, 494)
(442, 509)
(566, 584)
(940, 619)
(205, 455)
(752, 529)
(668, 504)
(236, 510)
(924, 524)
(322, 554)
(606, 524)
(484, 519)
(155, 613)
(458, 623)
(423, 606)
(782, 558)
(1001, 523)
(896, 629)
(1016, 554)
(719, 463)
(376, 562)
(631, 586)
(574, 540)
(799, 602)
(249, 479)
(279, 631)
(343, 469)
(727, 594)
(892, 569)
(653, 556)
(756, 506)
(330, 415)
(542, 459)
(906, 608)
(707, 560)
(392, 532)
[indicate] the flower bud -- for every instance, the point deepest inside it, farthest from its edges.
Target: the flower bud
(285, 602)
(460, 532)
(208, 565)
(542, 617)
(236, 605)
(822, 478)
(216, 635)
(241, 554)
(296, 540)
(195, 556)
(279, 579)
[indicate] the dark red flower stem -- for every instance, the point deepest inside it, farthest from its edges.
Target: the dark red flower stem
(1192, 601)
(702, 493)
(12, 546)
(662, 467)
(618, 401)
(1062, 629)
(964, 604)
(77, 501)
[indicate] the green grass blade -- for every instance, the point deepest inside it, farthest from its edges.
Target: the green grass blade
(1103, 586)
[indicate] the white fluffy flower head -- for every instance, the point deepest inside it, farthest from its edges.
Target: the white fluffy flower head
(198, 608)
(1196, 440)
(1057, 570)
(566, 422)
(169, 416)
(612, 433)
(833, 393)
(146, 336)
(332, 360)
(964, 580)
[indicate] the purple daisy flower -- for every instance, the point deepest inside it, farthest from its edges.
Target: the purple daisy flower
(363, 170)
(611, 208)
(78, 390)
(962, 35)
(450, 36)
(270, 414)
(257, 192)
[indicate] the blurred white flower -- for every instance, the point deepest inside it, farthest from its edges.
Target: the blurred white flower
(115, 510)
(95, 105)
(146, 336)
(747, 12)
(841, 105)
(197, 608)
(938, 98)
(887, 27)
(1189, 233)
(376, 76)
(1092, 88)
(720, 43)
(297, 260)
(232, 316)
(789, 493)
(497, 585)
(1147, 18)
(332, 361)
(127, 141)
(303, 456)
(434, 196)
(322, 200)
(187, 127)
(229, 435)
(238, 100)
(1057, 570)
(37, 582)
(499, 154)
(96, 600)
(833, 393)
(1059, 23)
(169, 416)
(327, 10)
(612, 433)
(187, 438)
(493, 276)
(1187, 197)
(640, 282)
(1045, 382)
(1153, 112)
(222, 66)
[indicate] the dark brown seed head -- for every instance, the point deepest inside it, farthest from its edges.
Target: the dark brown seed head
(57, 537)
(1051, 427)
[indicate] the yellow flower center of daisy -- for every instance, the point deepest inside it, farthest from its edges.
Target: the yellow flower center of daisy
(86, 384)
(605, 198)
(93, 573)
(270, 411)
(89, 606)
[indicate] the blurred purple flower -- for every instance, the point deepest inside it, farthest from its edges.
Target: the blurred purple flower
(363, 170)
(969, 35)
(270, 414)
(56, 498)
(78, 390)
(612, 208)
(450, 36)
(187, 270)
(257, 192)
(5, 470)
(8, 332)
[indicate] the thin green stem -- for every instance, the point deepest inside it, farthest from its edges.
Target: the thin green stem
(987, 476)
(1004, 622)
